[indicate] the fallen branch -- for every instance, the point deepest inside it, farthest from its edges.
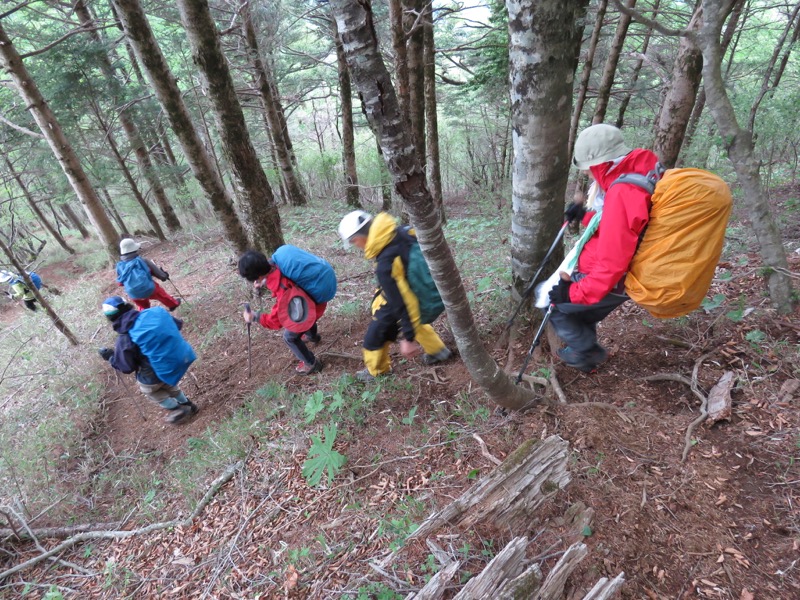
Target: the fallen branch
(562, 397)
(485, 451)
(226, 476)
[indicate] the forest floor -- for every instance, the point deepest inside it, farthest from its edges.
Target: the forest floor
(724, 523)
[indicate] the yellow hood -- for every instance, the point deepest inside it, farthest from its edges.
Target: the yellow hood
(381, 233)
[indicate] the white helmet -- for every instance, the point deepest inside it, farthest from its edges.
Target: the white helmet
(127, 246)
(352, 223)
(6, 277)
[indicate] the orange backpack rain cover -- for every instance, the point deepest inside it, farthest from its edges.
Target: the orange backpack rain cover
(671, 272)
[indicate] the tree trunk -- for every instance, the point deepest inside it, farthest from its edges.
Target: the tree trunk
(413, 26)
(35, 207)
(737, 9)
(115, 213)
(586, 73)
(265, 84)
(256, 201)
(400, 59)
(637, 68)
(11, 63)
(431, 117)
(126, 173)
(355, 23)
(351, 191)
(610, 68)
(676, 108)
(739, 145)
(129, 126)
(59, 324)
(76, 222)
(550, 31)
(169, 96)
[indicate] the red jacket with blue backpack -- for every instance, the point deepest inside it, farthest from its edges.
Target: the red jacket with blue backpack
(271, 320)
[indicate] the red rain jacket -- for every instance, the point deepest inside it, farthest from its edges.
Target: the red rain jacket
(626, 210)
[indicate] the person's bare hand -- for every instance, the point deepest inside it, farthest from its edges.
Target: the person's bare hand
(409, 349)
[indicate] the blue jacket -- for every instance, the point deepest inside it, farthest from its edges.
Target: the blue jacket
(150, 344)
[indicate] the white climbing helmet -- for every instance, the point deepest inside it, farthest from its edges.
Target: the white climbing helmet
(598, 144)
(127, 246)
(351, 224)
(6, 277)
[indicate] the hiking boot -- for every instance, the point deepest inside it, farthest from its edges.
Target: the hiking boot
(179, 302)
(583, 361)
(311, 339)
(182, 413)
(365, 376)
(441, 356)
(307, 369)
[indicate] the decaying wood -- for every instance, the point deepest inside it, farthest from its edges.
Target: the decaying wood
(514, 490)
(605, 589)
(578, 518)
(509, 564)
(719, 399)
(553, 586)
(226, 476)
(437, 586)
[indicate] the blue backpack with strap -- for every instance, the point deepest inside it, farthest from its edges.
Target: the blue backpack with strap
(312, 273)
(135, 276)
(37, 281)
(158, 337)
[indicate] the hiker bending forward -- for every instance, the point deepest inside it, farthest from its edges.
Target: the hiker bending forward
(150, 344)
(136, 274)
(395, 308)
(263, 272)
(596, 287)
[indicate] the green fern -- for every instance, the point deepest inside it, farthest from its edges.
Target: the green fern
(322, 457)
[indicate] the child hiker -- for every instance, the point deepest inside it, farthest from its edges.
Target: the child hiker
(17, 290)
(302, 285)
(136, 275)
(150, 344)
(395, 308)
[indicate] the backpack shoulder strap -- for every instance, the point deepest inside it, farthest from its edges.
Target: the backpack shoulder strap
(646, 182)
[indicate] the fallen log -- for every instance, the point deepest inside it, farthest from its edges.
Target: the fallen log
(507, 497)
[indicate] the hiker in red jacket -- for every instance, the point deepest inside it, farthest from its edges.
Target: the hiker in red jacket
(596, 287)
(263, 272)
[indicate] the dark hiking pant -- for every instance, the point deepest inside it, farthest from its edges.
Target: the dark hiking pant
(576, 324)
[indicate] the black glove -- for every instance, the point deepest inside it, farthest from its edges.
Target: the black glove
(166, 275)
(105, 353)
(560, 293)
(575, 212)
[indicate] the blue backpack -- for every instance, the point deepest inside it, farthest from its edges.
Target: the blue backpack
(158, 337)
(136, 277)
(312, 273)
(37, 281)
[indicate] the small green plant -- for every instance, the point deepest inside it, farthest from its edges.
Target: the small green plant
(755, 337)
(322, 457)
(409, 419)
(314, 405)
(710, 304)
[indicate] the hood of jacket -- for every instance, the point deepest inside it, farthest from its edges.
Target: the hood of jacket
(636, 161)
(381, 233)
(125, 321)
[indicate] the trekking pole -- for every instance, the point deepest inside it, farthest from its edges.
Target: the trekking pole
(530, 287)
(249, 348)
(177, 291)
(535, 342)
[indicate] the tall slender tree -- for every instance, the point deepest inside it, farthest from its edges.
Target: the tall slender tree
(351, 193)
(256, 200)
